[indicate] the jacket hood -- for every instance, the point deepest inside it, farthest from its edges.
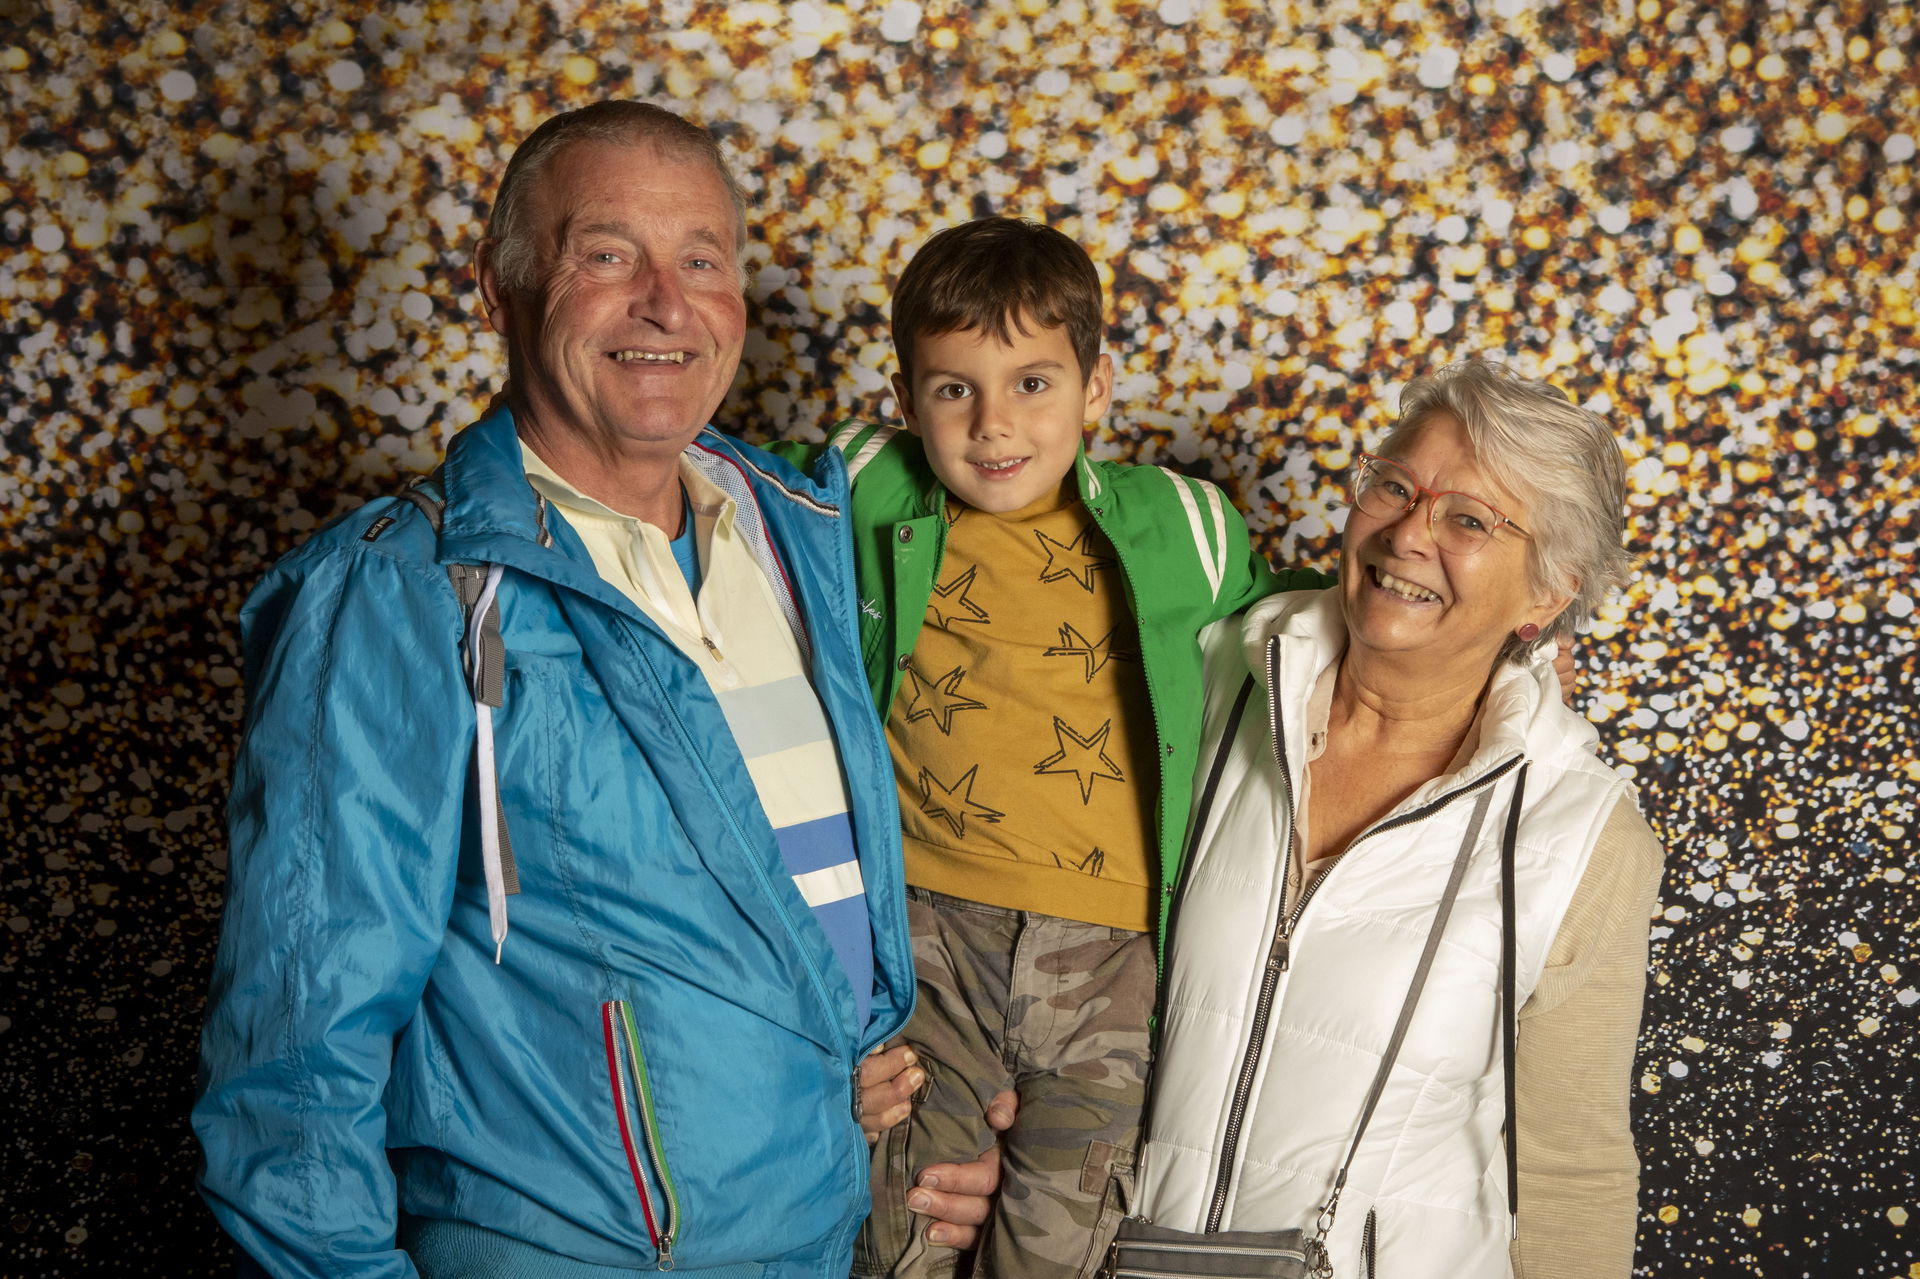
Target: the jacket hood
(1521, 711)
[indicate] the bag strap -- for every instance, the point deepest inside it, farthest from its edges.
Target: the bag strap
(1325, 1223)
(1508, 1011)
(1205, 805)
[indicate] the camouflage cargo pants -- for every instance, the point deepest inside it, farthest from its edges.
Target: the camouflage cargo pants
(1057, 1011)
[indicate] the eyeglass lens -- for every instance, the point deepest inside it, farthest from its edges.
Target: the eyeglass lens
(1384, 489)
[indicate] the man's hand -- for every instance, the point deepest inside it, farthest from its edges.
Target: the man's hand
(1563, 668)
(888, 1079)
(959, 1196)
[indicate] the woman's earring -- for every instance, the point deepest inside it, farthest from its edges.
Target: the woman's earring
(1528, 633)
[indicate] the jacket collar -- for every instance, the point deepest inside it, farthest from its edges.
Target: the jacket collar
(1520, 713)
(493, 515)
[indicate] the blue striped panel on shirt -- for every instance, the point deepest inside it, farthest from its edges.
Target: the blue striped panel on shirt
(812, 828)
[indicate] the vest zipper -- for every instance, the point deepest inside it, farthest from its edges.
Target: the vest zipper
(1280, 952)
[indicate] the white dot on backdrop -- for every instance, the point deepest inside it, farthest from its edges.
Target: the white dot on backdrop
(1437, 66)
(1282, 302)
(1288, 130)
(1559, 66)
(1452, 228)
(346, 75)
(992, 145)
(1564, 155)
(900, 20)
(1439, 317)
(1742, 202)
(1616, 300)
(177, 86)
(1052, 82)
(49, 238)
(417, 306)
(1613, 219)
(1062, 190)
(1899, 148)
(1736, 138)
(1236, 376)
(1175, 12)
(1720, 284)
(1678, 1069)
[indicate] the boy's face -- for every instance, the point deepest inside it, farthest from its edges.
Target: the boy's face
(1001, 421)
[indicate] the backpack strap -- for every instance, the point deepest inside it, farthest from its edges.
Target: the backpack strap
(483, 657)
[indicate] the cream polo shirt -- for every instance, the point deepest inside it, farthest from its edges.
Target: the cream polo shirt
(636, 559)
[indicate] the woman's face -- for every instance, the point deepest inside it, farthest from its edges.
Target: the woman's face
(1405, 599)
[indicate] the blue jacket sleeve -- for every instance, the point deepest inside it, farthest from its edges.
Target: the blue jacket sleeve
(345, 823)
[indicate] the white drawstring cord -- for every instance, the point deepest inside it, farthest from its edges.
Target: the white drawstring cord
(489, 781)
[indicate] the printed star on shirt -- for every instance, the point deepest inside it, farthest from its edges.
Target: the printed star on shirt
(1085, 757)
(938, 699)
(1071, 559)
(954, 803)
(1098, 654)
(1092, 864)
(955, 592)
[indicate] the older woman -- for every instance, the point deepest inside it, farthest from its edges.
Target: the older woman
(1404, 841)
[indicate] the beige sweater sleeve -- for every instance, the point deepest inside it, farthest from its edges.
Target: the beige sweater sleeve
(1579, 1175)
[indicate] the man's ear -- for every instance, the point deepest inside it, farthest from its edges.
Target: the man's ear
(1099, 389)
(493, 300)
(903, 396)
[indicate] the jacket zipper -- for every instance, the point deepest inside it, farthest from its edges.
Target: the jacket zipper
(1157, 915)
(627, 1070)
(1280, 953)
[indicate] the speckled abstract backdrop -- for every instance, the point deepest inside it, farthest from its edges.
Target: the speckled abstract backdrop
(234, 302)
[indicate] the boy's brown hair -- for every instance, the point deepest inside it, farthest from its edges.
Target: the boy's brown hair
(988, 274)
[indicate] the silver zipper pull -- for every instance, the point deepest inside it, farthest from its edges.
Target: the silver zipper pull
(1281, 954)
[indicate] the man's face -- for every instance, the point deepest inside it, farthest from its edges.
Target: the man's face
(1001, 421)
(628, 336)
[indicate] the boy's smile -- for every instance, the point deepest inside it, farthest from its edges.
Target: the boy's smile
(1001, 421)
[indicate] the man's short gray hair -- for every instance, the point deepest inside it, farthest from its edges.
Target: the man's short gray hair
(1563, 461)
(619, 121)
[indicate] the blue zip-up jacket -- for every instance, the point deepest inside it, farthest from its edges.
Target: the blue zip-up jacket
(664, 1059)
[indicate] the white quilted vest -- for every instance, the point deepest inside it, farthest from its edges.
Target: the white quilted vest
(1432, 1166)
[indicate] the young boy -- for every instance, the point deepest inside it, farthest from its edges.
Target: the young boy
(1028, 618)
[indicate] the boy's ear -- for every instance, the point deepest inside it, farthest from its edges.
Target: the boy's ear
(903, 396)
(1099, 389)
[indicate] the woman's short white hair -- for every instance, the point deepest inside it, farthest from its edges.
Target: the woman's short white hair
(1560, 459)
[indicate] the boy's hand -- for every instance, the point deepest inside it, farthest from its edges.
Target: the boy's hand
(888, 1079)
(1563, 668)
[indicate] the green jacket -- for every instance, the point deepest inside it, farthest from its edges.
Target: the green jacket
(1185, 559)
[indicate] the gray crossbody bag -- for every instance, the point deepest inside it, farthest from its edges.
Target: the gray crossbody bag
(1142, 1250)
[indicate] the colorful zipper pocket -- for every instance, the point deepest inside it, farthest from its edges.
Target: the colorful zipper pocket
(633, 1100)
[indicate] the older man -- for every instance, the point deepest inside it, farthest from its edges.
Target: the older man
(565, 890)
